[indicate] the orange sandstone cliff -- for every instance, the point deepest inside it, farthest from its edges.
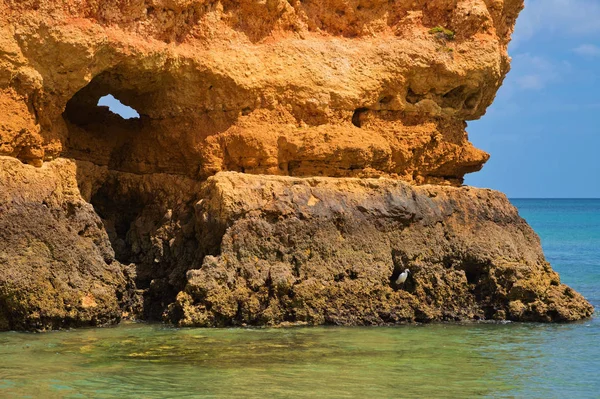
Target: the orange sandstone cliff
(290, 159)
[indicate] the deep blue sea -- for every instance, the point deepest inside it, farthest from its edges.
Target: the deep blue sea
(511, 360)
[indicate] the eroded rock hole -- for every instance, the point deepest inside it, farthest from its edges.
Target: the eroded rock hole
(386, 100)
(412, 97)
(454, 98)
(472, 101)
(358, 116)
(107, 126)
(146, 121)
(153, 232)
(482, 286)
(401, 262)
(131, 137)
(136, 142)
(118, 213)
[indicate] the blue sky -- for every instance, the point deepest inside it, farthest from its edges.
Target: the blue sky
(116, 106)
(543, 130)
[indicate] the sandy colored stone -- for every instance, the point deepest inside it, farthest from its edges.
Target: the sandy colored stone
(279, 90)
(340, 88)
(287, 258)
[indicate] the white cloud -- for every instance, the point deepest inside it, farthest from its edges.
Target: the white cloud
(588, 50)
(532, 72)
(557, 17)
(531, 82)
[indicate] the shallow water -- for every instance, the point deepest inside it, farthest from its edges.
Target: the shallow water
(431, 361)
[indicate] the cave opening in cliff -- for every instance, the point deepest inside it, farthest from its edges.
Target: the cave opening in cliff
(138, 167)
(111, 133)
(106, 120)
(142, 122)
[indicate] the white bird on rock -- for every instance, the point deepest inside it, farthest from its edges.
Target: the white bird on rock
(402, 277)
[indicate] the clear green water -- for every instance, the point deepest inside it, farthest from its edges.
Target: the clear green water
(431, 361)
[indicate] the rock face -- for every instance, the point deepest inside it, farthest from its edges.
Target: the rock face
(301, 88)
(325, 250)
(281, 91)
(57, 267)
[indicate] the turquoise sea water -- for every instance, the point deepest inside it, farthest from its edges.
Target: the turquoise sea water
(511, 360)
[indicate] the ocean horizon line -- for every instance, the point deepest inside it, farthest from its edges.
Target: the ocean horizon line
(553, 198)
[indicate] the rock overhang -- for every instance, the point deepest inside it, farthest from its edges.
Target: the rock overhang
(389, 87)
(295, 95)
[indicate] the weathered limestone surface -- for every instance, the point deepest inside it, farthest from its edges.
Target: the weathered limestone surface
(373, 95)
(57, 267)
(325, 250)
(302, 88)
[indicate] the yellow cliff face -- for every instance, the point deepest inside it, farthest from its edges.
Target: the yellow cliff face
(103, 217)
(300, 88)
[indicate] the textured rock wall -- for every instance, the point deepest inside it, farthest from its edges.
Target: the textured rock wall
(325, 250)
(57, 267)
(302, 88)
(103, 218)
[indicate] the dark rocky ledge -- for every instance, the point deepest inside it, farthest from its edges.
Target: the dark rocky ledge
(262, 250)
(328, 251)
